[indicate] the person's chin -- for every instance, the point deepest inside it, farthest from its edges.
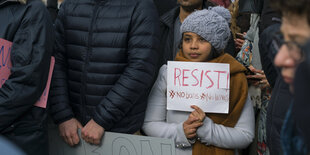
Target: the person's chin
(292, 88)
(288, 80)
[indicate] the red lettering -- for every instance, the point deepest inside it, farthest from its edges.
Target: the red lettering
(177, 76)
(218, 77)
(184, 77)
(195, 77)
(227, 80)
(212, 83)
(201, 77)
(183, 94)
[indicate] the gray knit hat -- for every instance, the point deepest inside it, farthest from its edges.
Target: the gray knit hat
(211, 24)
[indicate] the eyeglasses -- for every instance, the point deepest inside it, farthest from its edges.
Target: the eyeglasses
(294, 49)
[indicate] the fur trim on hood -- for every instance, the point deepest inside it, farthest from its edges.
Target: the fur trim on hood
(22, 1)
(4, 2)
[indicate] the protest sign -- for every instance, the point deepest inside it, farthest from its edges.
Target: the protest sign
(203, 84)
(6, 65)
(111, 144)
(5, 60)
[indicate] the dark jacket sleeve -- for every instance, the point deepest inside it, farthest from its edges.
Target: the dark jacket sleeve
(30, 56)
(59, 101)
(138, 75)
(230, 47)
(267, 50)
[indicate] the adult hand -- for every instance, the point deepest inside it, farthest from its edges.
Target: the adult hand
(198, 113)
(190, 126)
(92, 132)
(68, 131)
(239, 41)
(258, 79)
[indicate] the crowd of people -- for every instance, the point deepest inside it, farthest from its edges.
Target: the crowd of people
(110, 73)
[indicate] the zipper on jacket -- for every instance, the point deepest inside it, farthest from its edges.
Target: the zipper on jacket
(84, 75)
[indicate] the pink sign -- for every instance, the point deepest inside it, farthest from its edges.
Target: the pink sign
(6, 64)
(43, 99)
(5, 60)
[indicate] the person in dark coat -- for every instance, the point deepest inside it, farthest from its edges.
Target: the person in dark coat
(281, 97)
(295, 28)
(106, 53)
(28, 26)
(300, 110)
(52, 7)
(170, 24)
(164, 6)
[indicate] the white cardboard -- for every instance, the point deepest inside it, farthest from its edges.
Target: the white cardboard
(112, 144)
(198, 83)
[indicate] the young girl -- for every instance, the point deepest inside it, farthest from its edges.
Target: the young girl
(204, 36)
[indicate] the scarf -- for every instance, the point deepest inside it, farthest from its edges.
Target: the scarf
(237, 97)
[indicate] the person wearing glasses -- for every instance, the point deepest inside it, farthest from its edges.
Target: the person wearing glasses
(301, 107)
(295, 29)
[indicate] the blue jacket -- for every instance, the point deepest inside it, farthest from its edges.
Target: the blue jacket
(105, 62)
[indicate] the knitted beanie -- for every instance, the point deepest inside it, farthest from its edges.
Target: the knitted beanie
(211, 24)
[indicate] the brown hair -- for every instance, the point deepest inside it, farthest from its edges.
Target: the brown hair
(234, 11)
(297, 7)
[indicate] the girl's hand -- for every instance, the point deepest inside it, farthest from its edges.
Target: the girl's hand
(198, 113)
(190, 126)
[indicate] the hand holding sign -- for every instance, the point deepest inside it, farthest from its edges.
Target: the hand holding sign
(190, 126)
(198, 113)
(69, 131)
(92, 132)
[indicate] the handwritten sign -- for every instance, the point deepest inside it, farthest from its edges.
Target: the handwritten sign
(42, 102)
(203, 84)
(5, 60)
(111, 144)
(6, 65)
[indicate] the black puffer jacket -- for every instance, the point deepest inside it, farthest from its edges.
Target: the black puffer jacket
(30, 29)
(105, 62)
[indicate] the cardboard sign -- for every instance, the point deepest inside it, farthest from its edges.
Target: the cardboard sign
(111, 144)
(6, 65)
(42, 102)
(196, 83)
(5, 60)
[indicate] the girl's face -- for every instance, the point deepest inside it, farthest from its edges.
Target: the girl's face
(195, 48)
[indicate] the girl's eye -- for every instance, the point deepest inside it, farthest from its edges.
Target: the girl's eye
(202, 40)
(187, 39)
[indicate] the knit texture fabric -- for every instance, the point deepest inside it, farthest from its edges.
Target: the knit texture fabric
(211, 24)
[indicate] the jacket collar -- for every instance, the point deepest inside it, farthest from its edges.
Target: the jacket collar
(4, 2)
(169, 18)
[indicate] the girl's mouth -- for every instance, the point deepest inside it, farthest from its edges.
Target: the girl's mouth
(194, 55)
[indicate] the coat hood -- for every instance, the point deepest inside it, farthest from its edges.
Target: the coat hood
(3, 2)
